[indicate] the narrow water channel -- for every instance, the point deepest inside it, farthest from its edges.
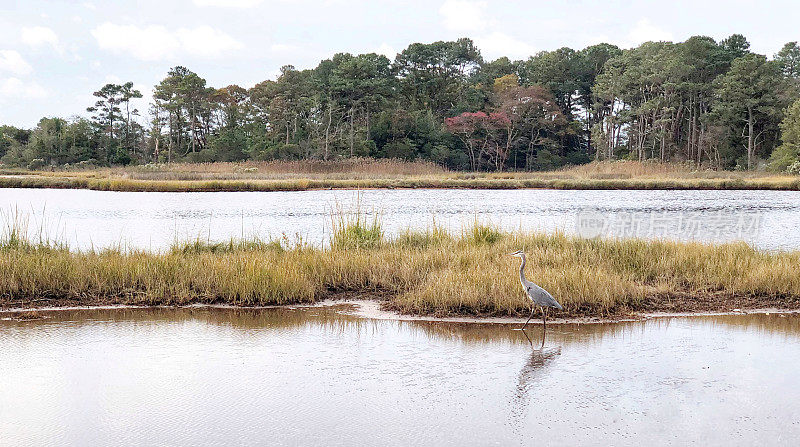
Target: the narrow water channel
(321, 376)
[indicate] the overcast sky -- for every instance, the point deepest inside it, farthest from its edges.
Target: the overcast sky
(54, 54)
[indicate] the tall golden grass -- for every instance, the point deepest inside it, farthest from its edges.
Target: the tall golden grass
(429, 272)
(627, 169)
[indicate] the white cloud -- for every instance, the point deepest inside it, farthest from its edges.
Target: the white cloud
(229, 3)
(473, 17)
(386, 50)
(38, 36)
(205, 40)
(499, 44)
(75, 54)
(83, 100)
(282, 47)
(13, 62)
(590, 39)
(156, 42)
(645, 31)
(149, 43)
(111, 79)
(274, 74)
(13, 88)
(462, 15)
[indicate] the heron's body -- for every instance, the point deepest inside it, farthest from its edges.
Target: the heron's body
(537, 295)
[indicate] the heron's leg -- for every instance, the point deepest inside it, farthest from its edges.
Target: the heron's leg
(533, 309)
(529, 339)
(544, 336)
(544, 325)
(544, 318)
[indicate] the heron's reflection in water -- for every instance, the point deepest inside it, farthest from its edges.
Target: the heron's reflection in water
(532, 373)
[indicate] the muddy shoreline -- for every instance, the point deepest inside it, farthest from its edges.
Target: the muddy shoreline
(377, 310)
(381, 304)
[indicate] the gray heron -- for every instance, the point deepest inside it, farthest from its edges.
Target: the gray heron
(537, 295)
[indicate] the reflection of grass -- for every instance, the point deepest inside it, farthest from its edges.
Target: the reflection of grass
(364, 173)
(427, 272)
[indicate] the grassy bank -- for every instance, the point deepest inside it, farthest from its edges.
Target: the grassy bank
(429, 272)
(364, 174)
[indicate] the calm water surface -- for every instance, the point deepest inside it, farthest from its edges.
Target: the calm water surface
(153, 221)
(322, 377)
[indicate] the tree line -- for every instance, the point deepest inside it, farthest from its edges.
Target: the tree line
(713, 104)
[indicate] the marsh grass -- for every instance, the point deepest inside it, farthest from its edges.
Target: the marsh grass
(245, 245)
(351, 168)
(434, 235)
(481, 233)
(368, 173)
(16, 233)
(628, 169)
(355, 228)
(425, 272)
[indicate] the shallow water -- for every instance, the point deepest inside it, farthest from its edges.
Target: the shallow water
(85, 219)
(321, 377)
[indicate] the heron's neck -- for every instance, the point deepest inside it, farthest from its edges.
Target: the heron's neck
(522, 270)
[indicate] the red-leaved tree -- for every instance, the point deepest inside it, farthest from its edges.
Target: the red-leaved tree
(481, 133)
